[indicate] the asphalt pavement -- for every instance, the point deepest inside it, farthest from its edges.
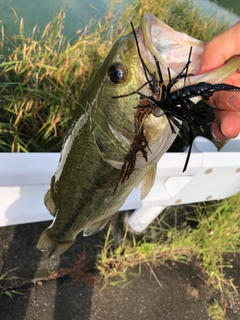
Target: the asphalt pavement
(174, 291)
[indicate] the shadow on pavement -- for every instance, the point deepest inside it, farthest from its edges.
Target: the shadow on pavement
(73, 295)
(18, 253)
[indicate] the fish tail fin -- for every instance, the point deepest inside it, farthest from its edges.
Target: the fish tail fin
(48, 244)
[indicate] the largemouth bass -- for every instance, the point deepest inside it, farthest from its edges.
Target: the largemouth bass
(81, 196)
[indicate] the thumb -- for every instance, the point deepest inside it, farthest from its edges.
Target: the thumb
(212, 56)
(221, 48)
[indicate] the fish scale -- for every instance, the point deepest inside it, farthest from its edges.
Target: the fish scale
(94, 197)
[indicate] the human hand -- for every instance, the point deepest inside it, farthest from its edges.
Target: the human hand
(226, 104)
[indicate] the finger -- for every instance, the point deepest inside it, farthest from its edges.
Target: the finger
(216, 131)
(211, 61)
(221, 48)
(225, 100)
(226, 124)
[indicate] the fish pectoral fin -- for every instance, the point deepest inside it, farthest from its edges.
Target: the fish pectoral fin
(95, 227)
(48, 244)
(147, 182)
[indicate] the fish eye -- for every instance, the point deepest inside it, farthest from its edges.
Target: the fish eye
(118, 73)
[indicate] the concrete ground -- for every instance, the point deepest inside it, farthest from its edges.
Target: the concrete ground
(180, 291)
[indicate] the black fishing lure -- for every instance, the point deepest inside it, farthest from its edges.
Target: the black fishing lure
(175, 105)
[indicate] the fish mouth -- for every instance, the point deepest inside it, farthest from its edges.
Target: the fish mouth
(171, 48)
(158, 41)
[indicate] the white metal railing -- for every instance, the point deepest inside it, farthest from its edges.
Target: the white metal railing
(25, 177)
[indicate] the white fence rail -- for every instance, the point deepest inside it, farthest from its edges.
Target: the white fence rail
(25, 177)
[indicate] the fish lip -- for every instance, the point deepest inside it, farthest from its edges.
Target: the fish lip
(171, 48)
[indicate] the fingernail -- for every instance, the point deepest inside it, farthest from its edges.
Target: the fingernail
(214, 136)
(221, 126)
(234, 102)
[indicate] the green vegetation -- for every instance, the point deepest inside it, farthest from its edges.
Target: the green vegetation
(6, 284)
(41, 82)
(207, 233)
(217, 312)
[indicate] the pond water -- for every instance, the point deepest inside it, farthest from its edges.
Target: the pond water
(78, 13)
(223, 9)
(233, 5)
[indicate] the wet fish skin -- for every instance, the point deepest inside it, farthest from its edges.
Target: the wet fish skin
(81, 194)
(81, 191)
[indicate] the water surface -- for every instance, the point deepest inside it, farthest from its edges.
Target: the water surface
(41, 12)
(233, 5)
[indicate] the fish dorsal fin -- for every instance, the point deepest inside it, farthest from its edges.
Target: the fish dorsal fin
(147, 182)
(95, 227)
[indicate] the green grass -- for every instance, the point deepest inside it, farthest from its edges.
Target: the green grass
(217, 312)
(41, 81)
(6, 284)
(207, 232)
